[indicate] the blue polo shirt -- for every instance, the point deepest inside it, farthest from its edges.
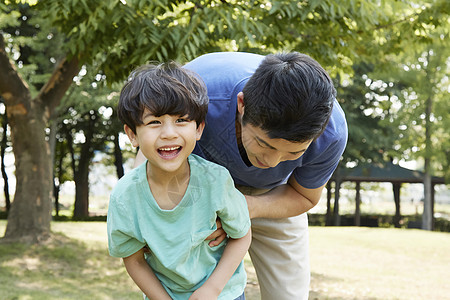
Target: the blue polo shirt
(225, 74)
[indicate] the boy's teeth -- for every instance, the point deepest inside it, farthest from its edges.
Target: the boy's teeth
(169, 148)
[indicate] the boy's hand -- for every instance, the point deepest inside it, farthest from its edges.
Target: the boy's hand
(217, 236)
(205, 293)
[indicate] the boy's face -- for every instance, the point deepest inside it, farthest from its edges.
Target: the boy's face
(166, 141)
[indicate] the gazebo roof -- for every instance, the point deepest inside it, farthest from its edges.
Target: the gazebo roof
(382, 172)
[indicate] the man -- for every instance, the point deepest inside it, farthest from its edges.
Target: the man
(275, 124)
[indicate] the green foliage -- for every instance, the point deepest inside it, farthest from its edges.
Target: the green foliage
(368, 139)
(417, 77)
(33, 45)
(88, 106)
(120, 35)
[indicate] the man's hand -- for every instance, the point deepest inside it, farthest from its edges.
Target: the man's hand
(217, 236)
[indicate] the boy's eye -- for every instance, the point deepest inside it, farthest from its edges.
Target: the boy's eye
(153, 122)
(181, 120)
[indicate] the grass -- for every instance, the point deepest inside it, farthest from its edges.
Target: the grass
(379, 263)
(346, 263)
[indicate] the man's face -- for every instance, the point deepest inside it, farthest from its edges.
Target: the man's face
(264, 152)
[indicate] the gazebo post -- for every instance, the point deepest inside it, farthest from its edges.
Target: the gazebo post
(432, 205)
(328, 216)
(337, 218)
(396, 189)
(357, 219)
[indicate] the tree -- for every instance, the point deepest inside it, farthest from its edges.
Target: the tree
(419, 78)
(85, 128)
(28, 115)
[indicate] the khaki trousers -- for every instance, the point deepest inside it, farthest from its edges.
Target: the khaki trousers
(280, 255)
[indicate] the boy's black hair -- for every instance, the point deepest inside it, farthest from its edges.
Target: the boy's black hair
(290, 96)
(163, 89)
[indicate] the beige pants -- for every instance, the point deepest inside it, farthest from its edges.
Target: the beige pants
(280, 255)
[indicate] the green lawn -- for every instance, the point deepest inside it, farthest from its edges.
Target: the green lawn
(346, 263)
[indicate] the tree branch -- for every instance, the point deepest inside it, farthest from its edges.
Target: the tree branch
(13, 88)
(55, 88)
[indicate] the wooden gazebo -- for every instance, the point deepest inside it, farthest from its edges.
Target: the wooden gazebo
(386, 172)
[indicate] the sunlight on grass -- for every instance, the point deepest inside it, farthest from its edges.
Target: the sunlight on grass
(346, 263)
(378, 263)
(74, 265)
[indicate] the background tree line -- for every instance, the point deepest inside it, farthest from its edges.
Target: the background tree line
(62, 64)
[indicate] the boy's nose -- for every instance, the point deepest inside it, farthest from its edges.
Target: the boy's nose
(168, 131)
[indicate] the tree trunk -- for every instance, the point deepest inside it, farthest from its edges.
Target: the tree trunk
(57, 185)
(81, 176)
(81, 207)
(427, 217)
(3, 146)
(30, 215)
(118, 158)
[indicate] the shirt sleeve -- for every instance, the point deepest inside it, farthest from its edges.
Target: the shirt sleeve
(320, 169)
(234, 211)
(122, 240)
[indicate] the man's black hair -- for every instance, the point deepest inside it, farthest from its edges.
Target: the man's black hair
(290, 96)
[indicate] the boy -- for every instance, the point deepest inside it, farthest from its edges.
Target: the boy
(170, 203)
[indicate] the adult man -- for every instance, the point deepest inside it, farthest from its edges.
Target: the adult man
(275, 124)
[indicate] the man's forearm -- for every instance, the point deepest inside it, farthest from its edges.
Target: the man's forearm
(282, 202)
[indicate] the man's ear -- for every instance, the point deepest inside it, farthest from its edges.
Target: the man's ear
(131, 135)
(240, 103)
(200, 128)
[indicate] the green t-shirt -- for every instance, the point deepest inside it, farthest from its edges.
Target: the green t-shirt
(179, 255)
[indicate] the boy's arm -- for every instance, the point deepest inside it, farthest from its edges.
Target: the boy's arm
(143, 276)
(232, 256)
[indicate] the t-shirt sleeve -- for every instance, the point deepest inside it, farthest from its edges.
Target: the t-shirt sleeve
(234, 211)
(122, 238)
(316, 173)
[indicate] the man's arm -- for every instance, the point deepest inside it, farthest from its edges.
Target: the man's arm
(284, 201)
(143, 276)
(232, 256)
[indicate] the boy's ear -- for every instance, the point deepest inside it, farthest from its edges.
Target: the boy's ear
(240, 103)
(200, 128)
(131, 135)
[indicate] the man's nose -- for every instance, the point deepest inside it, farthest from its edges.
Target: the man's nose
(273, 159)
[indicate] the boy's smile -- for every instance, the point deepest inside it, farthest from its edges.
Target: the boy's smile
(169, 152)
